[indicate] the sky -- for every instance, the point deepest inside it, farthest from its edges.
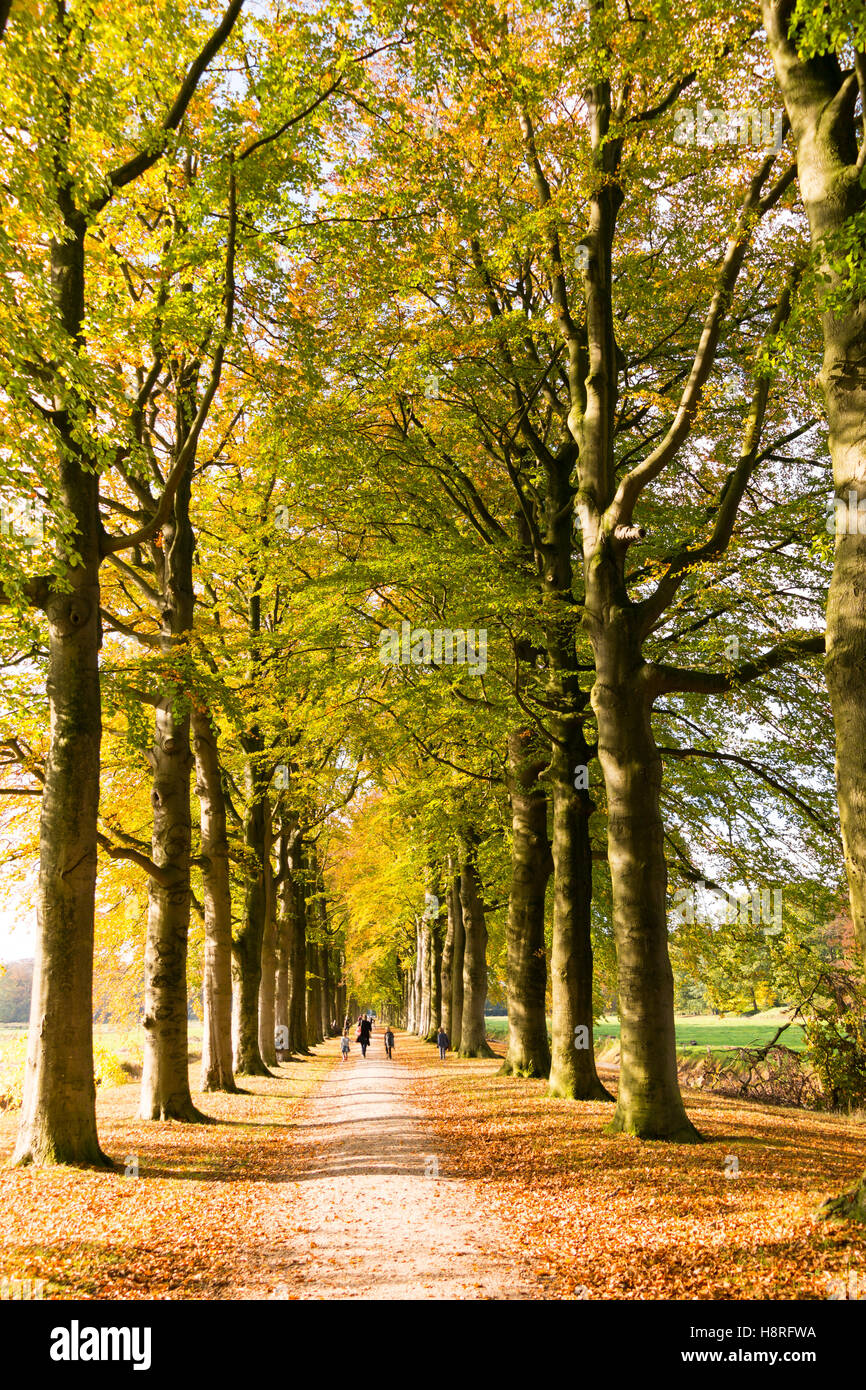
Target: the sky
(17, 924)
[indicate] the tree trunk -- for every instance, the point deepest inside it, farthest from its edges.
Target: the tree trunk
(58, 1118)
(247, 946)
(528, 1049)
(435, 973)
(296, 906)
(340, 994)
(267, 986)
(410, 999)
(314, 1007)
(649, 1103)
(326, 994)
(417, 1023)
(325, 1002)
(445, 971)
(831, 185)
(572, 1072)
(165, 1091)
(473, 1032)
(426, 952)
(216, 1054)
(282, 944)
(455, 916)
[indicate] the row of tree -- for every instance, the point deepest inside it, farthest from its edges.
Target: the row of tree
(338, 342)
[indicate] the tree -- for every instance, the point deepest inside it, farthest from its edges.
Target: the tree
(67, 196)
(809, 49)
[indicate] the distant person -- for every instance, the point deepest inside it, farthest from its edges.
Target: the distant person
(389, 1041)
(344, 1044)
(364, 1031)
(442, 1040)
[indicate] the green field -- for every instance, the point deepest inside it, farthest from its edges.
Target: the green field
(117, 1055)
(696, 1034)
(118, 1050)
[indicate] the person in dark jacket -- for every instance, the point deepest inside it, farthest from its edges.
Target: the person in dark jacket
(442, 1040)
(365, 1028)
(389, 1041)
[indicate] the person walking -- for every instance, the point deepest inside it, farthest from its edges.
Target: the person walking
(389, 1041)
(344, 1044)
(364, 1030)
(442, 1040)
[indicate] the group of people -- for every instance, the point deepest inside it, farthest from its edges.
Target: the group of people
(364, 1033)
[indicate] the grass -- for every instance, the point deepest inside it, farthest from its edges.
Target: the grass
(696, 1034)
(118, 1050)
(117, 1055)
(497, 1028)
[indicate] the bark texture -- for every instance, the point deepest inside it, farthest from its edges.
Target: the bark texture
(247, 945)
(165, 1092)
(217, 1073)
(445, 974)
(455, 918)
(528, 1048)
(314, 989)
(282, 943)
(296, 909)
(473, 1032)
(58, 1117)
(820, 102)
(573, 1074)
(267, 987)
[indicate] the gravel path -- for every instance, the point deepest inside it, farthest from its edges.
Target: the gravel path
(372, 1213)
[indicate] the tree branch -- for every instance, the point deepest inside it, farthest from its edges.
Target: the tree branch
(637, 478)
(141, 162)
(663, 679)
(111, 544)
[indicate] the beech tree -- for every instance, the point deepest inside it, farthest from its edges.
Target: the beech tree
(46, 53)
(456, 328)
(820, 63)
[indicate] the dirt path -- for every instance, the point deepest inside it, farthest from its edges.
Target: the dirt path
(374, 1213)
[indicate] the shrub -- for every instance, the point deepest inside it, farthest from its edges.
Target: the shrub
(835, 1023)
(837, 1050)
(108, 1070)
